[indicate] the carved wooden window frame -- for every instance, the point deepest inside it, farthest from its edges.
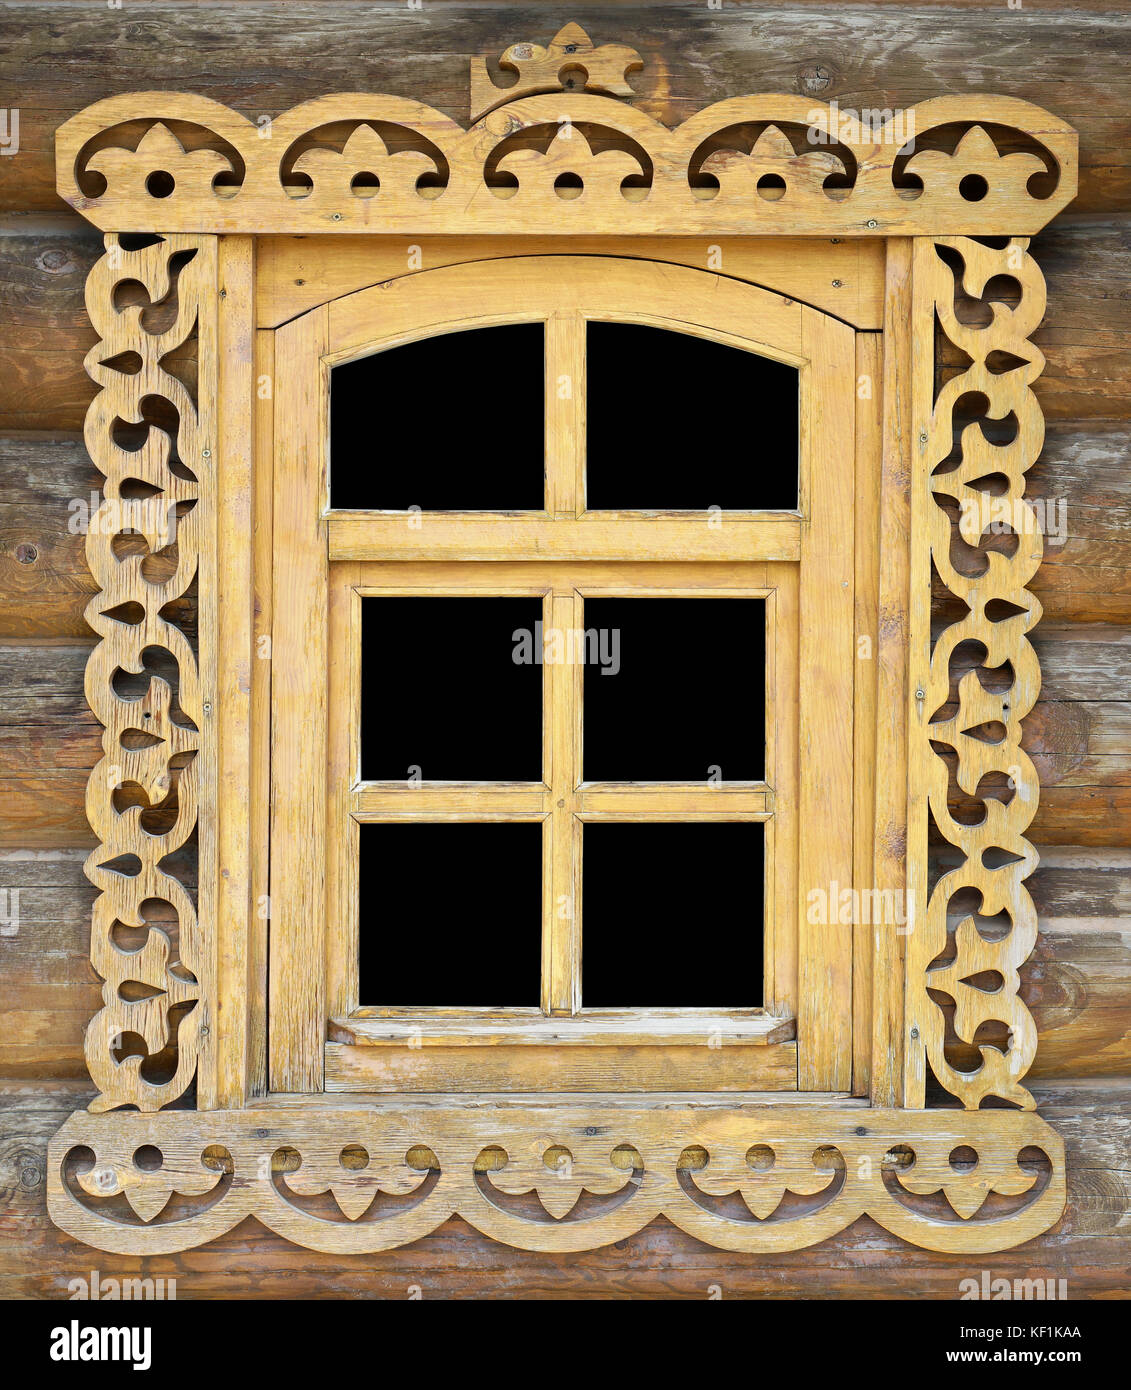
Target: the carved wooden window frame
(190, 208)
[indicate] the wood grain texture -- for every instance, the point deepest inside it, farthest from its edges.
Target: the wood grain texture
(893, 596)
(825, 682)
(1076, 987)
(1044, 50)
(1090, 1246)
(231, 1063)
(843, 278)
(299, 650)
(44, 334)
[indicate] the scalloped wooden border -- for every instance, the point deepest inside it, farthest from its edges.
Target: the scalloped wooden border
(457, 198)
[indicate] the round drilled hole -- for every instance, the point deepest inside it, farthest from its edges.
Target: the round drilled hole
(973, 188)
(160, 184)
(148, 1158)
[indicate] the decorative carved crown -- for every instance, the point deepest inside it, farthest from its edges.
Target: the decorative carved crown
(571, 62)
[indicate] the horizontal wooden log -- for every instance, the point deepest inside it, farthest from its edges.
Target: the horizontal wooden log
(51, 489)
(1078, 735)
(1090, 1247)
(44, 333)
(1081, 484)
(1087, 267)
(1076, 982)
(256, 57)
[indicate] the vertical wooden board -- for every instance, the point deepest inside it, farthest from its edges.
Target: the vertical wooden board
(298, 703)
(209, 662)
(781, 831)
(562, 986)
(259, 796)
(889, 866)
(826, 692)
(565, 413)
(919, 754)
(342, 772)
(225, 1072)
(869, 460)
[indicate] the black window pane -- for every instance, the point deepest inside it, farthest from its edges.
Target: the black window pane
(671, 915)
(681, 423)
(681, 697)
(450, 423)
(443, 698)
(450, 915)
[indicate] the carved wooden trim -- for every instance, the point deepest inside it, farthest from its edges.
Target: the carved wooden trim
(571, 61)
(975, 681)
(571, 162)
(153, 437)
(179, 994)
(541, 1174)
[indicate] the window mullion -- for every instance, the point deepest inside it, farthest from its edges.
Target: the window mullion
(565, 413)
(561, 973)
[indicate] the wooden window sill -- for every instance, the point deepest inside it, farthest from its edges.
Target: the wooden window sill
(753, 1029)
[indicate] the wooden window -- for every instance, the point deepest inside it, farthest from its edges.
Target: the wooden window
(725, 584)
(599, 372)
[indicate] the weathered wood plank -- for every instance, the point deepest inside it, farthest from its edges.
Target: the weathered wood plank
(1076, 982)
(1079, 734)
(51, 992)
(1081, 483)
(257, 58)
(1090, 1247)
(44, 334)
(51, 489)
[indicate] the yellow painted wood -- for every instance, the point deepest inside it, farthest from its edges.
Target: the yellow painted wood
(255, 536)
(891, 830)
(231, 1066)
(502, 181)
(628, 1066)
(826, 660)
(843, 277)
(299, 713)
(869, 508)
(594, 536)
(653, 1028)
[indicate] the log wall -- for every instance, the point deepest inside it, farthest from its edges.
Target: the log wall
(262, 58)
